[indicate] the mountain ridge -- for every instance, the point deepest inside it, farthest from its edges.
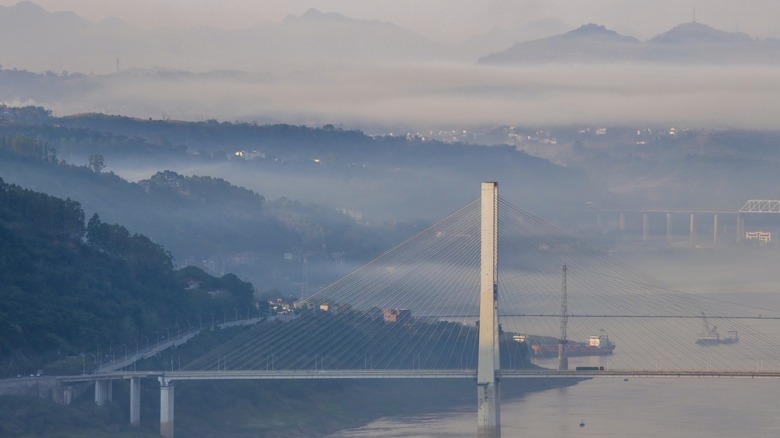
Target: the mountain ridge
(685, 43)
(64, 41)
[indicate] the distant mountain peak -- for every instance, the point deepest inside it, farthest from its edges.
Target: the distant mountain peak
(698, 31)
(26, 8)
(28, 5)
(686, 43)
(592, 30)
(588, 43)
(28, 15)
(317, 14)
(314, 14)
(695, 27)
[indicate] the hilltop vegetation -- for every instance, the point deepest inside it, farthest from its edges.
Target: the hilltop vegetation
(67, 286)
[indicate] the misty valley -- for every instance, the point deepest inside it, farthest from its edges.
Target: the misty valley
(289, 222)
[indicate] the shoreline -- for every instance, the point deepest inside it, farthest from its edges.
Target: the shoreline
(516, 390)
(324, 408)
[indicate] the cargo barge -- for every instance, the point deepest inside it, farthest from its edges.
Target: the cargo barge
(597, 345)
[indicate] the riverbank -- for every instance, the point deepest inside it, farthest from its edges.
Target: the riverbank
(294, 409)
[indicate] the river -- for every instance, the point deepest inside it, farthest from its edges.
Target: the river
(614, 407)
(681, 408)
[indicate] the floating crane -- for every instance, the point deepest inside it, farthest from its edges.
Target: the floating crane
(710, 335)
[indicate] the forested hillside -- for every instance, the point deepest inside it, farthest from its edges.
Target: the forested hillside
(67, 286)
(206, 221)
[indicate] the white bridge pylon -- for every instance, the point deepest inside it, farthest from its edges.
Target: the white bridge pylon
(488, 395)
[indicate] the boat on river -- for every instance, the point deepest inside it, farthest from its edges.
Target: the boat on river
(710, 335)
(597, 345)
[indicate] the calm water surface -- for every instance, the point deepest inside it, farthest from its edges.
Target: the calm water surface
(682, 408)
(612, 407)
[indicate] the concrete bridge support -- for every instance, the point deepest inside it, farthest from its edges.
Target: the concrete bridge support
(693, 227)
(740, 227)
(135, 401)
(66, 396)
(622, 221)
(715, 227)
(58, 393)
(103, 392)
(669, 226)
(645, 227)
(166, 408)
(488, 396)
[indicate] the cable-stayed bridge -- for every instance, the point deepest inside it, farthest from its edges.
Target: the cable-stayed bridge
(476, 296)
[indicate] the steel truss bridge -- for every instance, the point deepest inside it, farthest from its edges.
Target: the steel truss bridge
(761, 206)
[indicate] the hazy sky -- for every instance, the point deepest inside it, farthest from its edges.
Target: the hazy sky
(444, 19)
(415, 95)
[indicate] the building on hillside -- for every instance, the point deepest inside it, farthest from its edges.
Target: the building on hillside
(335, 308)
(397, 315)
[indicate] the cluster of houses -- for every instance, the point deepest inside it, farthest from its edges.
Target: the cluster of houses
(285, 307)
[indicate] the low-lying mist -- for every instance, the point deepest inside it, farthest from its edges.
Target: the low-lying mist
(381, 98)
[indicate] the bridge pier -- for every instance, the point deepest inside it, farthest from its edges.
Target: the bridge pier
(715, 226)
(60, 394)
(66, 396)
(645, 227)
(488, 397)
(740, 227)
(669, 226)
(135, 401)
(693, 227)
(103, 392)
(166, 407)
(488, 411)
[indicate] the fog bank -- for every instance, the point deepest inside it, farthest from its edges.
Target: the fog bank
(424, 97)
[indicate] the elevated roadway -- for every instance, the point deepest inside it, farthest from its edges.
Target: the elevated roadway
(408, 374)
(103, 381)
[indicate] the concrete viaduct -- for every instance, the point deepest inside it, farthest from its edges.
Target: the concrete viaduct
(735, 217)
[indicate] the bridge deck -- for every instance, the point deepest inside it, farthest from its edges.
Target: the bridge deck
(413, 374)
